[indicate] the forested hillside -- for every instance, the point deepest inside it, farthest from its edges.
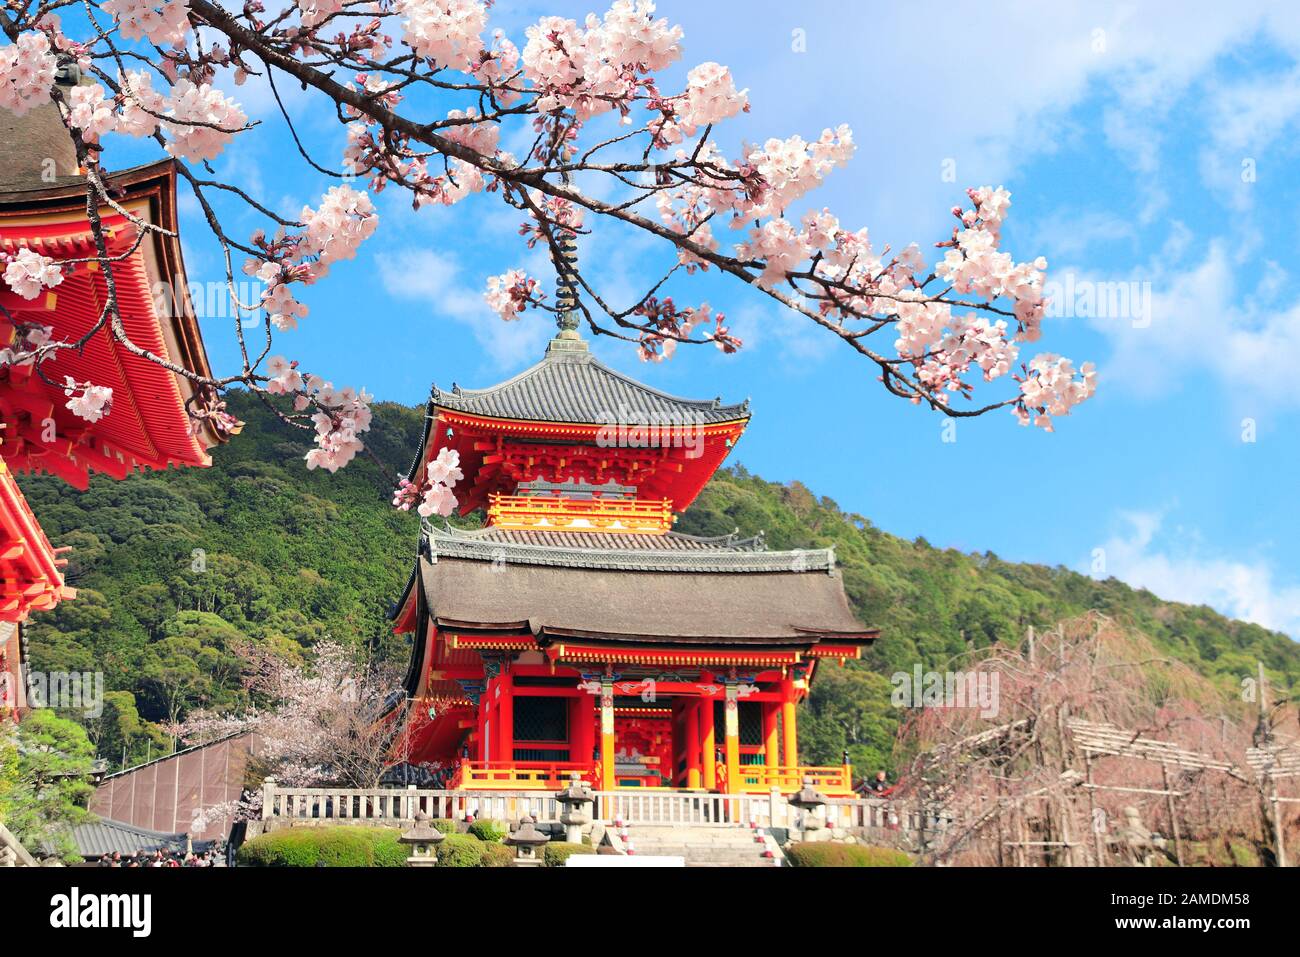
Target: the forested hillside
(173, 568)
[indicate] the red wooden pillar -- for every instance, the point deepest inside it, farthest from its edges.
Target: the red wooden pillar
(771, 743)
(788, 698)
(582, 730)
(484, 747)
(691, 724)
(506, 717)
(708, 745)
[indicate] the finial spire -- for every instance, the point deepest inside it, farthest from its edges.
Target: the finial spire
(566, 280)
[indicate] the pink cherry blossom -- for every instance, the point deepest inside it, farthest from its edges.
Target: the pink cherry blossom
(163, 23)
(90, 402)
(27, 70)
(344, 219)
(284, 376)
(29, 272)
(91, 113)
(190, 103)
(509, 294)
(142, 104)
(710, 97)
(445, 31)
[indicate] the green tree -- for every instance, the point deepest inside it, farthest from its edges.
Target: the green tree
(45, 781)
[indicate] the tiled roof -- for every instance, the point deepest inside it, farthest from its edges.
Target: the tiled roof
(104, 837)
(570, 385)
(775, 608)
(625, 551)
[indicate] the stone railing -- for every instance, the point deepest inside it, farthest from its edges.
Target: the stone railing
(878, 820)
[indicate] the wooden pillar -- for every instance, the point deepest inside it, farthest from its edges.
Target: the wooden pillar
(691, 723)
(480, 734)
(607, 734)
(582, 730)
(788, 723)
(708, 745)
(506, 716)
(731, 738)
(771, 740)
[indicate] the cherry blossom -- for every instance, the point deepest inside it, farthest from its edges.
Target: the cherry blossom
(91, 113)
(28, 272)
(428, 92)
(285, 379)
(141, 106)
(162, 23)
(202, 104)
(509, 294)
(28, 339)
(710, 97)
(27, 70)
(445, 31)
(341, 417)
(90, 402)
(434, 496)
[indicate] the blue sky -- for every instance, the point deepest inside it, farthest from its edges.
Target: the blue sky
(1152, 144)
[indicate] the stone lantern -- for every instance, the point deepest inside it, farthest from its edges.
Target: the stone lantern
(813, 805)
(574, 800)
(526, 839)
(423, 840)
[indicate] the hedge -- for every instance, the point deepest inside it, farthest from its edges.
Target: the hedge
(497, 855)
(844, 855)
(488, 830)
(460, 850)
(556, 853)
(325, 847)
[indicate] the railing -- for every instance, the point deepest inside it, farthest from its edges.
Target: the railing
(398, 806)
(519, 775)
(880, 820)
(595, 514)
(831, 781)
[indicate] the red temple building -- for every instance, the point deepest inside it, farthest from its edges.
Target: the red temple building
(576, 631)
(43, 208)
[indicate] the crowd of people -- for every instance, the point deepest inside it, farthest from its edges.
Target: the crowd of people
(160, 857)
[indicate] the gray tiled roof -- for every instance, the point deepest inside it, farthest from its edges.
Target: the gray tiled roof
(104, 837)
(670, 552)
(570, 385)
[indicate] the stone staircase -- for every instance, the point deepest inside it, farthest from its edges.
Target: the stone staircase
(702, 845)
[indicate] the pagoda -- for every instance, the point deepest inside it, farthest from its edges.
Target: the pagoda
(576, 631)
(147, 426)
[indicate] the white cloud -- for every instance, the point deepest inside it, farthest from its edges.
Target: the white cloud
(437, 281)
(1202, 321)
(1173, 567)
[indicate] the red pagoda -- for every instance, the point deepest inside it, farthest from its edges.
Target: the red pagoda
(576, 631)
(43, 208)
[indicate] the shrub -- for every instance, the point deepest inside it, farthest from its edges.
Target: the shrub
(497, 855)
(325, 847)
(845, 855)
(460, 850)
(444, 824)
(487, 830)
(556, 853)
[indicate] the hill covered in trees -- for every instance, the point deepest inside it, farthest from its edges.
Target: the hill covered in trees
(175, 568)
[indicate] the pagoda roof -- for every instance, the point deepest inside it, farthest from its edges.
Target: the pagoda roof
(619, 551)
(571, 385)
(148, 426)
(678, 590)
(762, 608)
